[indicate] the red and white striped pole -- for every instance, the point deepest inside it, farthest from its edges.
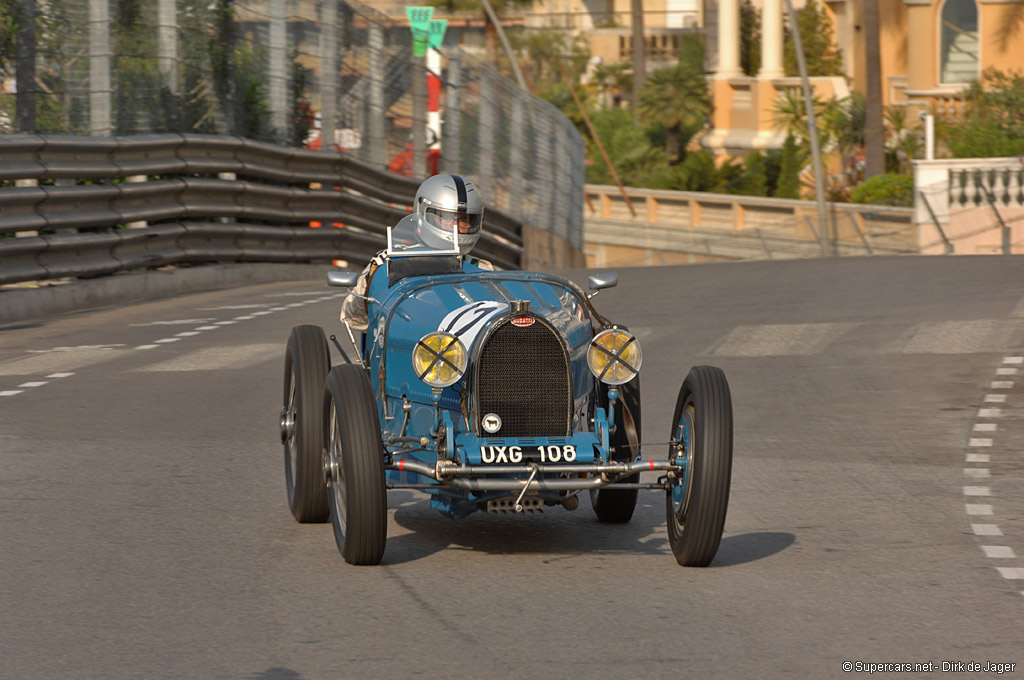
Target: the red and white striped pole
(433, 110)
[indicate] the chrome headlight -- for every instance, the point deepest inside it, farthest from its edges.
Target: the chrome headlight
(614, 356)
(439, 359)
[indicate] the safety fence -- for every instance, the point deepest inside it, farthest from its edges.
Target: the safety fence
(80, 206)
(329, 74)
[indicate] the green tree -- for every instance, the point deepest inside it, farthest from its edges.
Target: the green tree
(994, 125)
(750, 38)
(886, 189)
(817, 37)
(789, 175)
(677, 97)
(635, 159)
(754, 181)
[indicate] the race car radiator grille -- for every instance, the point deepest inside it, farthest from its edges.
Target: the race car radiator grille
(523, 376)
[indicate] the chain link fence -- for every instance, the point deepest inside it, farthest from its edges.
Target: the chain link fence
(316, 73)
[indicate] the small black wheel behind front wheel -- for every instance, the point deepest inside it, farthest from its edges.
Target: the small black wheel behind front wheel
(697, 501)
(307, 361)
(355, 465)
(616, 506)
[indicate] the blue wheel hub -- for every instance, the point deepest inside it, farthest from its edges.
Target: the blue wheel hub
(684, 458)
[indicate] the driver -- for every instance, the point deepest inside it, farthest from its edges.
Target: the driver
(441, 202)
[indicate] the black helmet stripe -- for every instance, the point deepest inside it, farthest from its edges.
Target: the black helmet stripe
(460, 187)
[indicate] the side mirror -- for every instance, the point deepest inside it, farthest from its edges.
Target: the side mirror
(602, 281)
(342, 279)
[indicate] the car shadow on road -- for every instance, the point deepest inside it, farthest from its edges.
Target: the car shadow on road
(752, 546)
(424, 532)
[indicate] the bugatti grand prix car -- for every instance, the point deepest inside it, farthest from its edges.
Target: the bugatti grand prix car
(491, 390)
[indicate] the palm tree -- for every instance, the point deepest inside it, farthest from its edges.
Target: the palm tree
(679, 100)
(874, 144)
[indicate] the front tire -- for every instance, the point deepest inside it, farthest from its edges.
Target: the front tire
(355, 465)
(307, 361)
(696, 503)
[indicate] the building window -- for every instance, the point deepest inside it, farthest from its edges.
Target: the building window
(959, 46)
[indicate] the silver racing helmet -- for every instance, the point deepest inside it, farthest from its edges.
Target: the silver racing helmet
(443, 201)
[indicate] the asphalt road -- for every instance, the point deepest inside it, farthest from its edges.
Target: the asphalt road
(877, 509)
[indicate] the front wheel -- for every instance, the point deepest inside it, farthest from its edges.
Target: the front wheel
(701, 438)
(354, 465)
(307, 361)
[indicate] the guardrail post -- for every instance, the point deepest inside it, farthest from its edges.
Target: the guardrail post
(137, 179)
(26, 183)
(694, 213)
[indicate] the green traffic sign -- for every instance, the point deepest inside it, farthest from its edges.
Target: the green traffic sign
(436, 32)
(419, 18)
(419, 24)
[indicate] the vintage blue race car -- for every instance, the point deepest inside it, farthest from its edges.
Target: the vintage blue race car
(490, 390)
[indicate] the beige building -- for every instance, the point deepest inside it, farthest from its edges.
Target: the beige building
(927, 67)
(931, 48)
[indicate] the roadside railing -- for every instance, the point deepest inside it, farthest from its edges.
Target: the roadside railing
(81, 206)
(710, 226)
(974, 205)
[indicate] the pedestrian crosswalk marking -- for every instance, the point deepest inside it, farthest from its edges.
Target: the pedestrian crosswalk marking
(800, 339)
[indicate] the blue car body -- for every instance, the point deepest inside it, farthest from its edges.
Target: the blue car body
(472, 305)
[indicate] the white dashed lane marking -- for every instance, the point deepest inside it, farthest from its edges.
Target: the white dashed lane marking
(59, 362)
(986, 530)
(65, 359)
(996, 552)
(174, 322)
(219, 358)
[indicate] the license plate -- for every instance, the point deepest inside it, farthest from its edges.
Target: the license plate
(550, 453)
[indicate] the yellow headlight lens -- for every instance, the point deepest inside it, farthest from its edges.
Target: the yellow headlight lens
(439, 359)
(614, 356)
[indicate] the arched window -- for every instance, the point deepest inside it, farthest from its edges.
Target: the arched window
(959, 41)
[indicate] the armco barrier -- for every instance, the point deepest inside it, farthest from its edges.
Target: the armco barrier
(202, 199)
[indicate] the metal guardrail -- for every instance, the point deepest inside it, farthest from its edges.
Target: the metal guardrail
(202, 199)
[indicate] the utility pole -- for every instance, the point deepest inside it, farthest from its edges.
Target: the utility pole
(812, 131)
